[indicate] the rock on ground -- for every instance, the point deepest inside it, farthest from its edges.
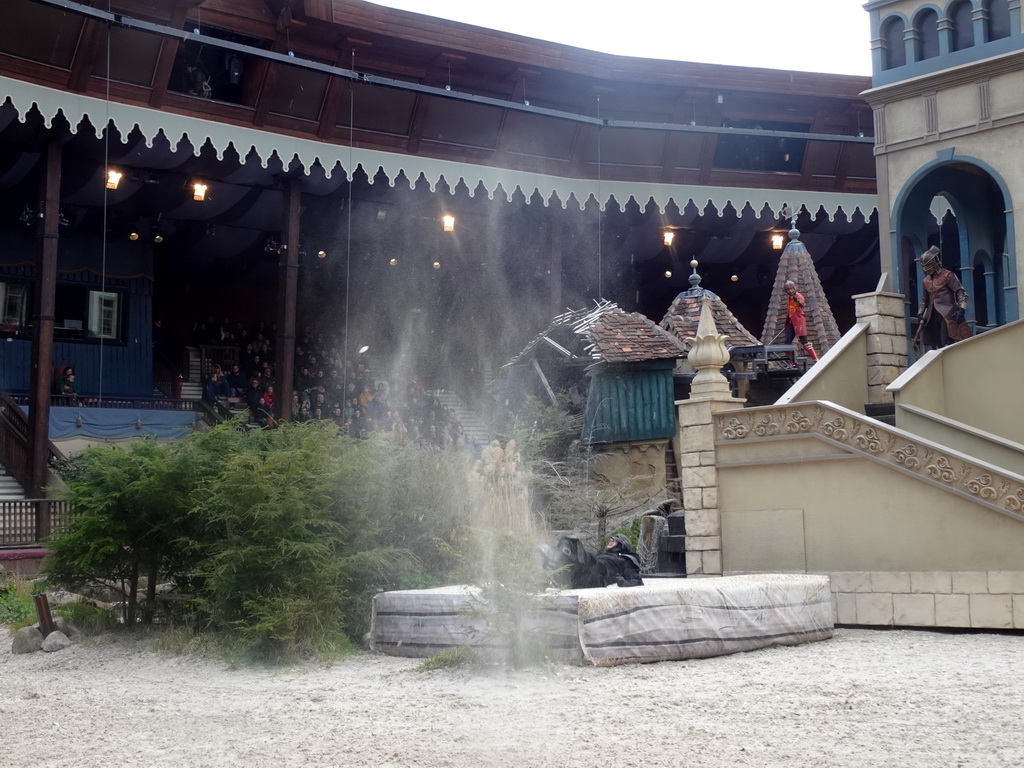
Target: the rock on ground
(27, 640)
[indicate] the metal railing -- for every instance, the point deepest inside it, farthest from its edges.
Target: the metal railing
(25, 522)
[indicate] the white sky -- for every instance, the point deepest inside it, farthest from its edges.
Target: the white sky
(808, 35)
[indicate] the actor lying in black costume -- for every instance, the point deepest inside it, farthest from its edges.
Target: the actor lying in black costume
(572, 567)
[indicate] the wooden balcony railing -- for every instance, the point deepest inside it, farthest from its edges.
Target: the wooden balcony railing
(113, 401)
(14, 441)
(211, 355)
(24, 522)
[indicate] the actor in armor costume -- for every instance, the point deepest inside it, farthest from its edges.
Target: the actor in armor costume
(944, 303)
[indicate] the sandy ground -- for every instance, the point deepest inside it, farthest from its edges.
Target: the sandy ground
(863, 698)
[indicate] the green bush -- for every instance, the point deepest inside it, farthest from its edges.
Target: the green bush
(129, 507)
(268, 566)
(16, 607)
(281, 537)
(88, 618)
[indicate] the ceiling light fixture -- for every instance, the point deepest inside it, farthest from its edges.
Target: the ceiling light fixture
(155, 229)
(113, 178)
(199, 191)
(777, 242)
(448, 222)
(668, 236)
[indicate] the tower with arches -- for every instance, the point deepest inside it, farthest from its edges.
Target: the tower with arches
(947, 85)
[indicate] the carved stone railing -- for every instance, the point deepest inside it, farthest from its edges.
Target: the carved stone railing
(930, 462)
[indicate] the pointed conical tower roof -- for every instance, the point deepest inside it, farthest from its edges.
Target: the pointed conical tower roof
(683, 316)
(797, 265)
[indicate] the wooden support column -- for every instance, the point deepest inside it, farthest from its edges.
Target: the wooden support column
(287, 289)
(41, 376)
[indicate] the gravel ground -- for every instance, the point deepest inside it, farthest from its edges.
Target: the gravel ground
(863, 698)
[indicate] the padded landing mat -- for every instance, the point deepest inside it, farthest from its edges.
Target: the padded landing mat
(663, 620)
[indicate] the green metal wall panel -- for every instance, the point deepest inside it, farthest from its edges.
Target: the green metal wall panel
(625, 405)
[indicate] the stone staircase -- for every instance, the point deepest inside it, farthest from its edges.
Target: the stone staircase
(192, 387)
(473, 425)
(10, 490)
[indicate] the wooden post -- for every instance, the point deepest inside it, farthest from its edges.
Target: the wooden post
(43, 519)
(41, 376)
(46, 625)
(287, 298)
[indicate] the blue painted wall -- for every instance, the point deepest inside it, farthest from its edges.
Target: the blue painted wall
(112, 367)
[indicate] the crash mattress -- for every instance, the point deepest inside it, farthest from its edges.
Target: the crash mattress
(663, 620)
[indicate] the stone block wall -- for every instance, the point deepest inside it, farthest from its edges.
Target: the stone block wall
(887, 347)
(953, 599)
(698, 478)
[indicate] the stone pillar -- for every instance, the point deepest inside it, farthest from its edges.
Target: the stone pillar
(886, 340)
(698, 471)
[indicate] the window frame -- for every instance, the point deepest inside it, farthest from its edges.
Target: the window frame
(8, 322)
(104, 323)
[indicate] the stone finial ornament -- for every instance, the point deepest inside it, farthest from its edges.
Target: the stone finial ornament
(708, 354)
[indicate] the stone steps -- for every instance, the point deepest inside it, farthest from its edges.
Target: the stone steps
(190, 391)
(9, 487)
(474, 426)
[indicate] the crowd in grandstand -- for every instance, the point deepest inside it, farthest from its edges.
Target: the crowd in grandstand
(324, 388)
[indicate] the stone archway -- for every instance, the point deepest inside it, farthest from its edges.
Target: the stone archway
(961, 206)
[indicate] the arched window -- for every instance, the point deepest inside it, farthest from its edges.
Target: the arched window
(998, 22)
(895, 55)
(963, 27)
(927, 25)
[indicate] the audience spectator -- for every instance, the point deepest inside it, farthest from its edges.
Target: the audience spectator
(67, 387)
(61, 380)
(211, 389)
(260, 414)
(235, 381)
(336, 415)
(223, 388)
(246, 356)
(253, 393)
